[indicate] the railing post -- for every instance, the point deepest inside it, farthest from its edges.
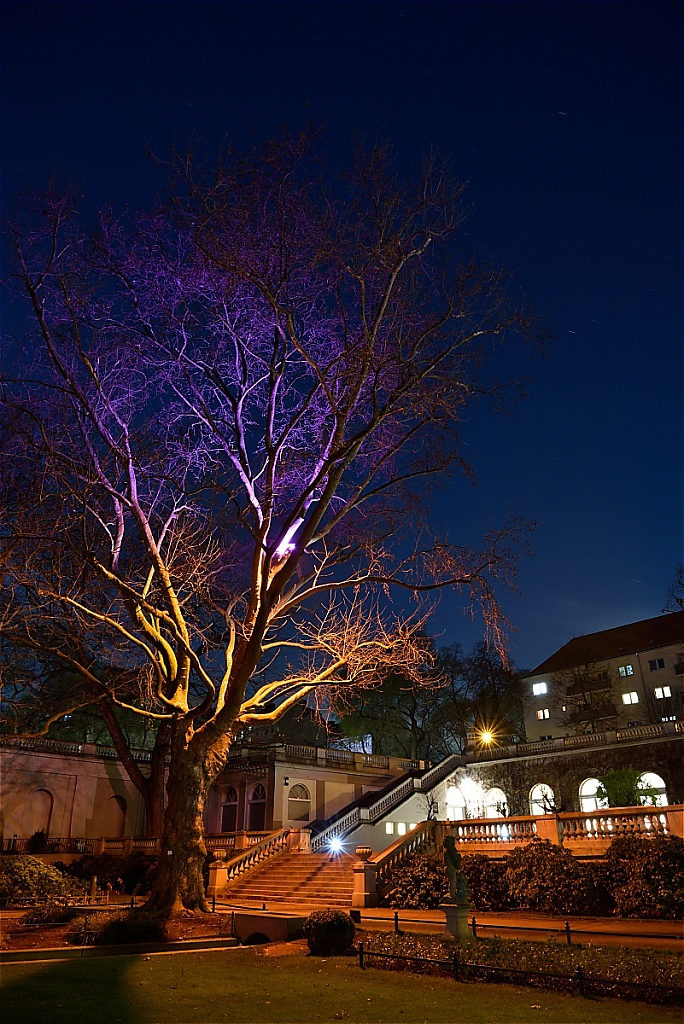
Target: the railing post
(473, 924)
(99, 846)
(567, 933)
(364, 893)
(361, 964)
(550, 827)
(580, 980)
(218, 874)
(455, 966)
(127, 846)
(675, 820)
(396, 921)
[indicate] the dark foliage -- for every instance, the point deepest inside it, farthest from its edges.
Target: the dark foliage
(125, 874)
(544, 877)
(113, 929)
(646, 876)
(27, 878)
(421, 884)
(53, 913)
(487, 882)
(328, 932)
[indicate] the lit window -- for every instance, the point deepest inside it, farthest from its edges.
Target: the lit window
(539, 688)
(668, 718)
(662, 691)
(401, 828)
(626, 670)
(412, 826)
(630, 698)
(542, 714)
(564, 708)
(389, 828)
(656, 664)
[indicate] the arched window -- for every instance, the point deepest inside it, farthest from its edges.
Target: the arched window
(229, 806)
(257, 809)
(495, 803)
(298, 803)
(542, 799)
(589, 801)
(456, 805)
(114, 818)
(658, 795)
(38, 813)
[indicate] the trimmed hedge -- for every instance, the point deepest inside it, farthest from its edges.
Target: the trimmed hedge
(114, 929)
(328, 932)
(134, 873)
(639, 878)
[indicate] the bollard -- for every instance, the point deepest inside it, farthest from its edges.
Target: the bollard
(580, 980)
(473, 925)
(567, 933)
(361, 964)
(396, 920)
(133, 902)
(232, 922)
(263, 906)
(213, 904)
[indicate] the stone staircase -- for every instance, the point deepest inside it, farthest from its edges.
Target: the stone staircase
(297, 879)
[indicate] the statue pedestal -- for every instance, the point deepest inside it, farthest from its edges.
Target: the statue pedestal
(456, 913)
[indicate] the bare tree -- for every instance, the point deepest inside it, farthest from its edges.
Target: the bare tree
(229, 415)
(584, 696)
(675, 595)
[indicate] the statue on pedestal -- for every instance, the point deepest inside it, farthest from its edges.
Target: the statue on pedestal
(458, 883)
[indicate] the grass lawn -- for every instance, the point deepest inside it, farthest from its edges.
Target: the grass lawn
(245, 986)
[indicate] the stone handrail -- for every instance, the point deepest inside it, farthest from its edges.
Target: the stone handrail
(336, 830)
(420, 839)
(371, 874)
(493, 830)
(272, 844)
(610, 822)
(233, 841)
(221, 872)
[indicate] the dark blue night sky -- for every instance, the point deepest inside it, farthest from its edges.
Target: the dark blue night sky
(566, 119)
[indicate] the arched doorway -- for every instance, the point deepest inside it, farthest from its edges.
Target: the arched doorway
(114, 818)
(229, 808)
(256, 820)
(589, 801)
(299, 803)
(542, 800)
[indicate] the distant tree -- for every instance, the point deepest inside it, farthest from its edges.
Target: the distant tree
(584, 696)
(675, 595)
(220, 438)
(622, 787)
(477, 691)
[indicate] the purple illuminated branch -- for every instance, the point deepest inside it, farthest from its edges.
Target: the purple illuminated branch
(286, 546)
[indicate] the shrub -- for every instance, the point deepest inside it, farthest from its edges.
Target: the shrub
(647, 876)
(25, 877)
(545, 877)
(53, 913)
(114, 929)
(328, 932)
(134, 873)
(420, 884)
(487, 882)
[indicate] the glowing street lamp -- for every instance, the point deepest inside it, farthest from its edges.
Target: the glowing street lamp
(335, 845)
(486, 737)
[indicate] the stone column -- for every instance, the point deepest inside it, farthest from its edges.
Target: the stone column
(218, 874)
(364, 893)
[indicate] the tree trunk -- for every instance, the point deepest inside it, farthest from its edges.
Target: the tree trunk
(180, 882)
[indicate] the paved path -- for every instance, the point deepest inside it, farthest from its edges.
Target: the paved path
(515, 924)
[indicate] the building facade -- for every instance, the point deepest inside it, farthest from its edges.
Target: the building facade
(621, 678)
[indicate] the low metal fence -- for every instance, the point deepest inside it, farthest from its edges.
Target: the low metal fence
(585, 984)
